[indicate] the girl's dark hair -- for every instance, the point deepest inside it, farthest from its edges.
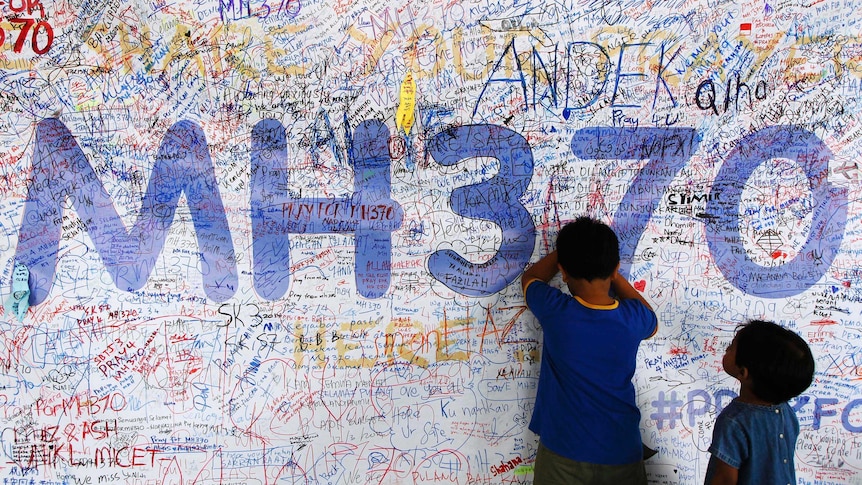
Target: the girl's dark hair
(778, 360)
(588, 249)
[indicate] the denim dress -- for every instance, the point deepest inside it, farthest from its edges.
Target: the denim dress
(759, 441)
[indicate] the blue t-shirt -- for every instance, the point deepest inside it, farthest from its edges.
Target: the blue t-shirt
(586, 408)
(759, 441)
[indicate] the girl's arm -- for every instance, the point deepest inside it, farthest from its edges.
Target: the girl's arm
(724, 474)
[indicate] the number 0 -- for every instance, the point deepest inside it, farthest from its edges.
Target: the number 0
(49, 34)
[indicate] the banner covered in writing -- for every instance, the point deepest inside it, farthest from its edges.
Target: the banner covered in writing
(280, 241)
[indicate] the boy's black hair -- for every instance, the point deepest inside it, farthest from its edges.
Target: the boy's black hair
(588, 249)
(778, 360)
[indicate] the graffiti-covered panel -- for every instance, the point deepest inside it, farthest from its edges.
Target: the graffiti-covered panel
(281, 241)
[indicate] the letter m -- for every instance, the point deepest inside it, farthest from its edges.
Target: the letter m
(62, 177)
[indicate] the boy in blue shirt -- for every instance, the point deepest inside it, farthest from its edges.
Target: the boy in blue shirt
(754, 439)
(586, 413)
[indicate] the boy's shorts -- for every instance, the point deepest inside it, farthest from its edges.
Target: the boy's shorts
(553, 469)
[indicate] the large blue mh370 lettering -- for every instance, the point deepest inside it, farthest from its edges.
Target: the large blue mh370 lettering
(62, 176)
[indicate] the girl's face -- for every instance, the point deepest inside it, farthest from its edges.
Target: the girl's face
(729, 359)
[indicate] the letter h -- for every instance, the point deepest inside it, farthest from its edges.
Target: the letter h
(369, 213)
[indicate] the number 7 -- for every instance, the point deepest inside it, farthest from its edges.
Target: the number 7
(668, 150)
(22, 34)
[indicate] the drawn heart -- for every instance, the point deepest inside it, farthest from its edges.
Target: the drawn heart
(640, 285)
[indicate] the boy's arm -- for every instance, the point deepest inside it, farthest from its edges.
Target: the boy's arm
(724, 474)
(625, 290)
(544, 269)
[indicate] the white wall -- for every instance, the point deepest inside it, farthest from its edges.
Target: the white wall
(280, 241)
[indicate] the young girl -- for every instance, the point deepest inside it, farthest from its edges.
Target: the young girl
(754, 439)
